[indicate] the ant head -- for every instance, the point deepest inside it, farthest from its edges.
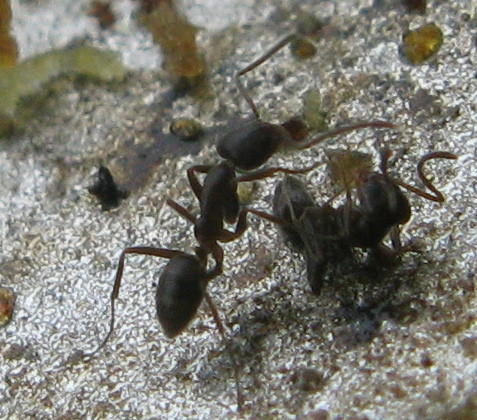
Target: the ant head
(297, 128)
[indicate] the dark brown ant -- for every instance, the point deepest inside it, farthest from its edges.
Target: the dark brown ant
(181, 289)
(253, 143)
(382, 205)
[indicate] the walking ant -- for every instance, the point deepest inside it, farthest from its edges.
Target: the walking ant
(181, 289)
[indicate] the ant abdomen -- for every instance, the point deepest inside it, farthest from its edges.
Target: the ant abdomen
(179, 293)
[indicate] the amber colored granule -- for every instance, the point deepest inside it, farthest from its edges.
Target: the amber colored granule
(186, 129)
(422, 43)
(302, 48)
(176, 37)
(8, 46)
(103, 12)
(7, 300)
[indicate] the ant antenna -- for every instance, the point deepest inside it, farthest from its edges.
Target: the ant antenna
(437, 196)
(254, 65)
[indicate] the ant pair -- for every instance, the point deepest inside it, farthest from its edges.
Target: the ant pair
(182, 286)
(325, 234)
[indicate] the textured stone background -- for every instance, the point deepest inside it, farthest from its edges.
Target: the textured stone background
(401, 344)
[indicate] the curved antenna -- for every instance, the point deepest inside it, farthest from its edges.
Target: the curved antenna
(342, 130)
(437, 196)
(254, 65)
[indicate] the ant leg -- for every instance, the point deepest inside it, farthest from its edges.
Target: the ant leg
(218, 255)
(181, 210)
(437, 196)
(285, 41)
(268, 172)
(240, 227)
(196, 186)
(141, 250)
(221, 328)
(342, 130)
(385, 156)
(269, 217)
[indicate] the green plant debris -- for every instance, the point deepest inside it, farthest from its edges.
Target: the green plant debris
(313, 112)
(29, 77)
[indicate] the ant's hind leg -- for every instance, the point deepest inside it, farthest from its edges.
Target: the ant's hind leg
(140, 250)
(221, 328)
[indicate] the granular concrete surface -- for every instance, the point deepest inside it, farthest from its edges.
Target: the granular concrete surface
(379, 342)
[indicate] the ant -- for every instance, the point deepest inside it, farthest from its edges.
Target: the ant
(253, 143)
(382, 205)
(181, 289)
(246, 148)
(326, 234)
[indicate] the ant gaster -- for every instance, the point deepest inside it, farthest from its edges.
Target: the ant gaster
(180, 290)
